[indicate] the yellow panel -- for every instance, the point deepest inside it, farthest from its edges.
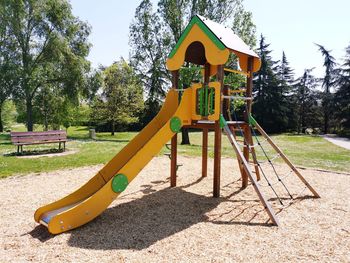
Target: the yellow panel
(243, 62)
(216, 85)
(106, 173)
(94, 205)
(213, 55)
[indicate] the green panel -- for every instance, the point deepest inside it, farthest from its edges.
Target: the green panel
(252, 121)
(175, 124)
(119, 183)
(205, 29)
(223, 122)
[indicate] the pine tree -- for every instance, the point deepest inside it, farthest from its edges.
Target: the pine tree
(342, 95)
(286, 77)
(305, 102)
(269, 95)
(327, 84)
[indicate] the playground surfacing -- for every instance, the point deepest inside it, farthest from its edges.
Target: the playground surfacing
(151, 222)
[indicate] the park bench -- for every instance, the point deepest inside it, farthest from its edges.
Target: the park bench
(32, 138)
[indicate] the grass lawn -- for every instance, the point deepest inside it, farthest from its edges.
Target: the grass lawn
(308, 151)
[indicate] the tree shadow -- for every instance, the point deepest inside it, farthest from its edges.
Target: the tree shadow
(35, 152)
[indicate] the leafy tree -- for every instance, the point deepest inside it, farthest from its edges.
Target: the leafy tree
(148, 54)
(121, 101)
(8, 64)
(342, 95)
(52, 46)
(327, 84)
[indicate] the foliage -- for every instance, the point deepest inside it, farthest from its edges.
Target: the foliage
(121, 101)
(8, 114)
(305, 102)
(51, 45)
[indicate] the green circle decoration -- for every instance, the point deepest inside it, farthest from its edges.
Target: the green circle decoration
(175, 124)
(119, 183)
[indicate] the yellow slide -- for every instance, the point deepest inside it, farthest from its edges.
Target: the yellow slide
(95, 196)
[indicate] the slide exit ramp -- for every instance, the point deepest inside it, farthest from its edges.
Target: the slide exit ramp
(96, 195)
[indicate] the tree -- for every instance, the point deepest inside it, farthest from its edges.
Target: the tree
(8, 64)
(342, 95)
(327, 84)
(52, 46)
(121, 101)
(148, 55)
(269, 92)
(286, 78)
(306, 102)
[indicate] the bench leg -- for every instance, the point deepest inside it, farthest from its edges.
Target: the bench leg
(21, 149)
(17, 149)
(64, 146)
(59, 146)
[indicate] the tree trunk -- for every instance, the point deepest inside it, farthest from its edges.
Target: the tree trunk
(326, 120)
(29, 115)
(185, 136)
(113, 128)
(1, 126)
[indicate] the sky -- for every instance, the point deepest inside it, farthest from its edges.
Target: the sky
(292, 26)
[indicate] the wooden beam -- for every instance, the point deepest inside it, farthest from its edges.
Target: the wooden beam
(217, 140)
(173, 154)
(173, 165)
(205, 153)
(237, 71)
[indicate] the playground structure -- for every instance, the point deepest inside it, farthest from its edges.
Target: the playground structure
(205, 106)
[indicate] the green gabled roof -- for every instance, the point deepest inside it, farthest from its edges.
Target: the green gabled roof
(197, 21)
(223, 37)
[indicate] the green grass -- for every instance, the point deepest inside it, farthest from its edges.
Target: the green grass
(308, 151)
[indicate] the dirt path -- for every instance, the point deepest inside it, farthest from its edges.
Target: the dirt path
(340, 141)
(152, 223)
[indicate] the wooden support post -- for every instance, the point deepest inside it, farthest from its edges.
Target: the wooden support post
(246, 156)
(205, 153)
(217, 139)
(173, 154)
(249, 92)
(173, 165)
(217, 159)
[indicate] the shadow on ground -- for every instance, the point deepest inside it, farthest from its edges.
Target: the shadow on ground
(141, 222)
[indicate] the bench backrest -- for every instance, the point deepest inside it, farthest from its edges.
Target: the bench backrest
(31, 137)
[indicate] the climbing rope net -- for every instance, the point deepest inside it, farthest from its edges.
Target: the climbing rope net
(269, 163)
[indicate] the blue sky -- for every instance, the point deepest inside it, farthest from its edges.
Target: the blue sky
(293, 26)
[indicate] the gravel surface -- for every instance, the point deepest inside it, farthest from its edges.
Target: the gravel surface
(152, 223)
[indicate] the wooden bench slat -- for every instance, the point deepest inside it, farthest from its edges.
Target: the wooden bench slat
(37, 138)
(29, 138)
(32, 143)
(37, 133)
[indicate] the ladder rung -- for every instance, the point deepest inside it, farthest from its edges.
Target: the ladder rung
(237, 98)
(237, 91)
(236, 122)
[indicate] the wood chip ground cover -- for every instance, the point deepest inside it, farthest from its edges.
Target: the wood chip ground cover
(151, 222)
